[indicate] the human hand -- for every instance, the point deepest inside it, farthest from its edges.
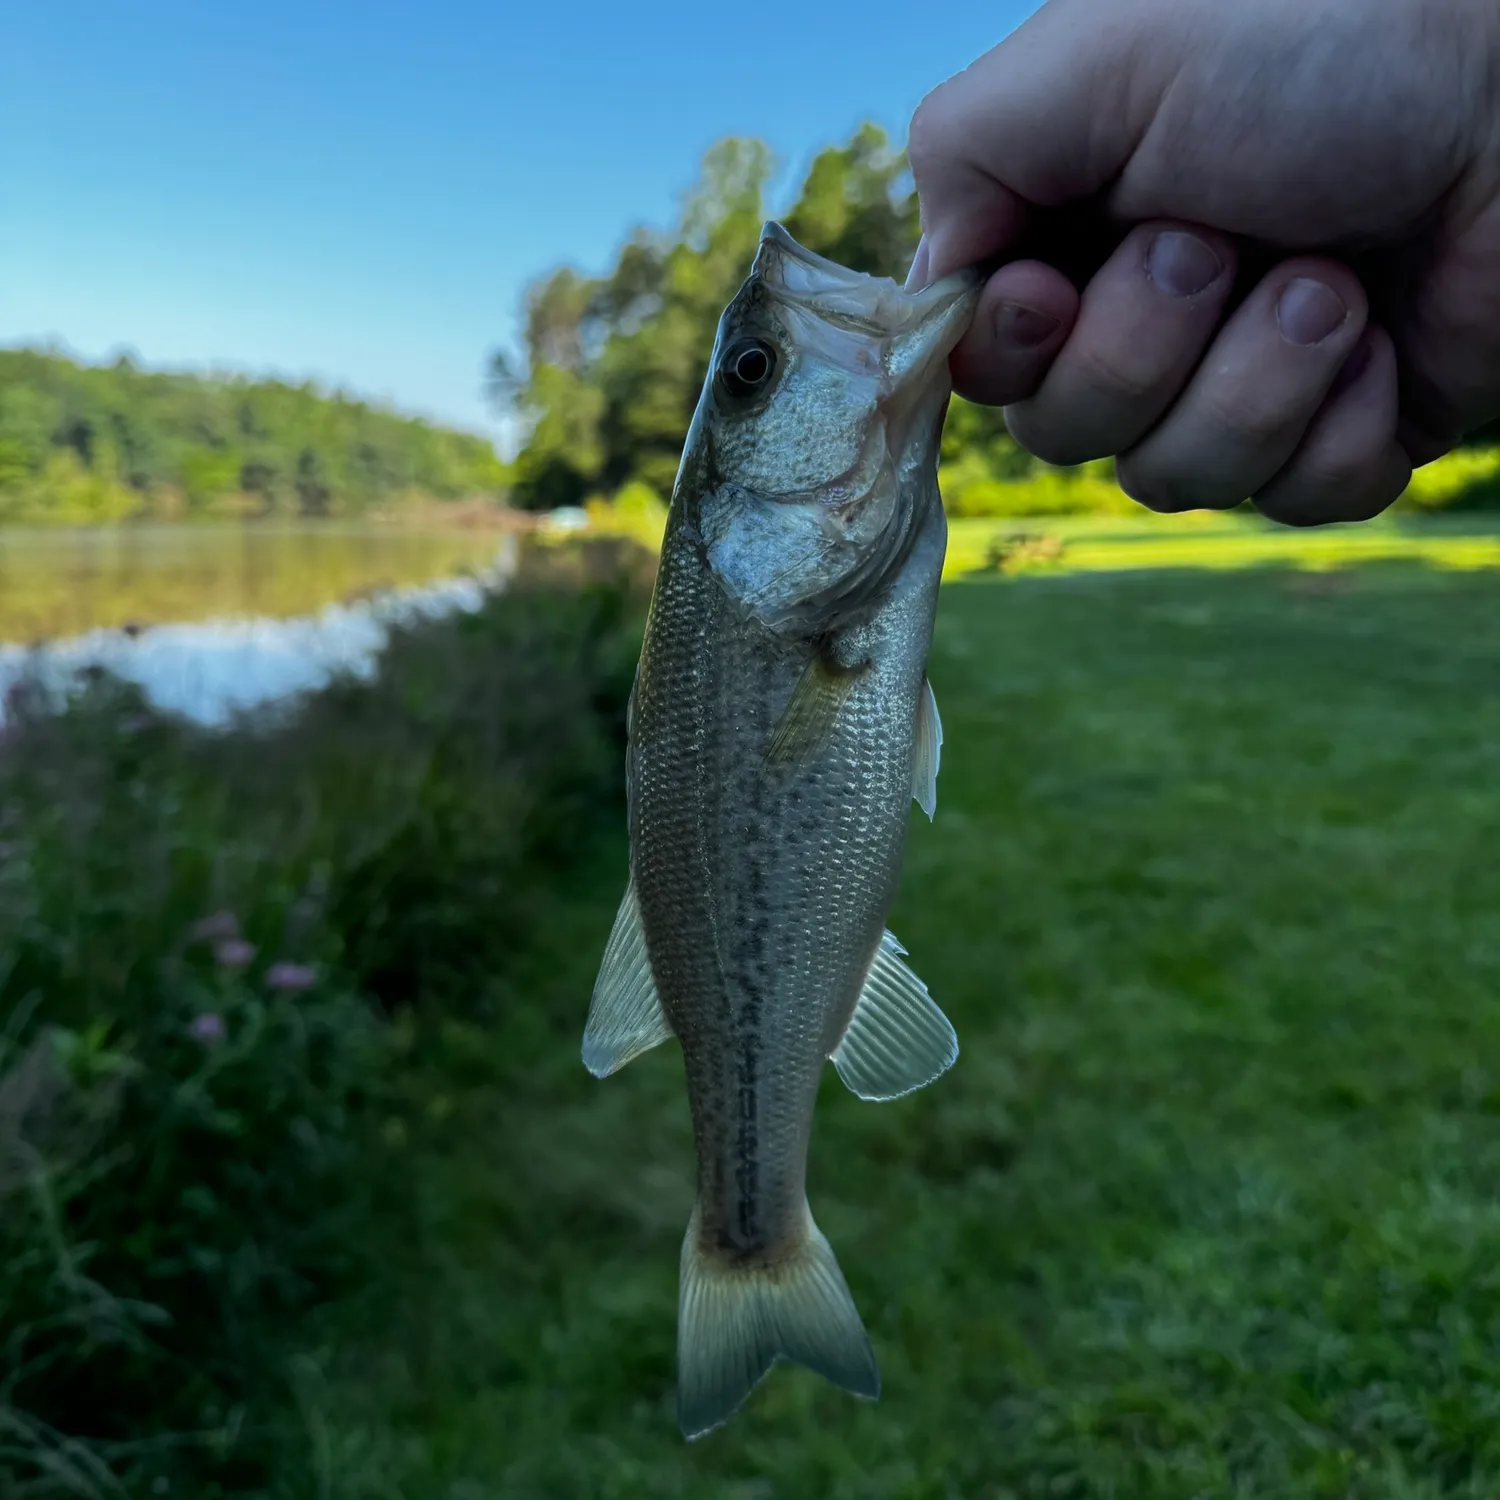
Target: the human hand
(1285, 218)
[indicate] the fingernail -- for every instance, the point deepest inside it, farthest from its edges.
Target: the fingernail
(916, 278)
(1309, 311)
(1181, 264)
(1352, 368)
(1018, 327)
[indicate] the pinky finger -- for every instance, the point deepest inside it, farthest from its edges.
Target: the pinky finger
(1349, 466)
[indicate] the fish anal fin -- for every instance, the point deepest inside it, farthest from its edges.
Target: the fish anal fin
(927, 750)
(897, 1040)
(735, 1321)
(821, 691)
(625, 1016)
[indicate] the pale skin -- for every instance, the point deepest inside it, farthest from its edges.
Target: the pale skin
(1281, 224)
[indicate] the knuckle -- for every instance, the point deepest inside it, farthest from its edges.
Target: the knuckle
(1053, 442)
(1117, 374)
(1145, 487)
(924, 136)
(1314, 491)
(1167, 488)
(1251, 424)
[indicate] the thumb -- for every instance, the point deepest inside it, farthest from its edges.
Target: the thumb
(1051, 115)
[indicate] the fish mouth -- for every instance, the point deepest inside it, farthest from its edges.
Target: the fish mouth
(854, 299)
(918, 330)
(798, 559)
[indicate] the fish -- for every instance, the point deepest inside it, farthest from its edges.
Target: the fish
(779, 726)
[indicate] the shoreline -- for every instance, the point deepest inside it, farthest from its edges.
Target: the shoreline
(211, 670)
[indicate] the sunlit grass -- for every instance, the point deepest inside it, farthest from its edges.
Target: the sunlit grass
(1039, 530)
(1221, 543)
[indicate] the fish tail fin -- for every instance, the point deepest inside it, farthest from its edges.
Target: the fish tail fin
(734, 1321)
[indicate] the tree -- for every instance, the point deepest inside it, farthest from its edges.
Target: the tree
(615, 363)
(312, 491)
(857, 206)
(135, 441)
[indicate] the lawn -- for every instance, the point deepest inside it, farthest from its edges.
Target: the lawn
(1208, 1205)
(1210, 539)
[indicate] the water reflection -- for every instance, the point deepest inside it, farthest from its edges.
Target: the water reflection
(64, 581)
(209, 670)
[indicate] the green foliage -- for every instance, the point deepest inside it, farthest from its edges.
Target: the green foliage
(857, 208)
(188, 1147)
(84, 443)
(637, 512)
(1468, 479)
(615, 363)
(973, 487)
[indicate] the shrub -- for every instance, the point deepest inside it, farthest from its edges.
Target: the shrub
(971, 488)
(200, 936)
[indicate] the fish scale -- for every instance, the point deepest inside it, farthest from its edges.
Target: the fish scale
(780, 725)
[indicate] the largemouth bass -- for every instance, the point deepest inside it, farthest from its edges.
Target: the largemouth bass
(780, 724)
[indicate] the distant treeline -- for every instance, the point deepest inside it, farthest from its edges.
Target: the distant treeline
(613, 364)
(97, 443)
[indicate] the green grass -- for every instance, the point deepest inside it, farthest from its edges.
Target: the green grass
(1208, 1206)
(1110, 542)
(1206, 539)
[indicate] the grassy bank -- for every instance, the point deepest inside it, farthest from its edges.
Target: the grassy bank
(1025, 536)
(217, 955)
(1207, 1206)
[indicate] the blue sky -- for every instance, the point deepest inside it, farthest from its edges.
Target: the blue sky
(359, 192)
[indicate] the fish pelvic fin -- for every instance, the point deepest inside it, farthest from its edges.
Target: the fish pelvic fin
(897, 1040)
(625, 1016)
(734, 1321)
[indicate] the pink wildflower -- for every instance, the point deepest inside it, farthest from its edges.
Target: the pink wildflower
(234, 953)
(284, 976)
(207, 1028)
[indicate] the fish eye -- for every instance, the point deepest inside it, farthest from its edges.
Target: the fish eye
(746, 367)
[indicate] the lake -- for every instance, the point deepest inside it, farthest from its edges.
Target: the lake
(213, 620)
(66, 581)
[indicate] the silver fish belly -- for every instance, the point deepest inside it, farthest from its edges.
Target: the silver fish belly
(778, 732)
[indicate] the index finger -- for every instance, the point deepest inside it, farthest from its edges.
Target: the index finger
(1050, 116)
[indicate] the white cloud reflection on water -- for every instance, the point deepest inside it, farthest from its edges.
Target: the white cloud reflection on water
(210, 670)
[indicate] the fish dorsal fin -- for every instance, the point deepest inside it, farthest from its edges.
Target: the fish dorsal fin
(927, 751)
(897, 1040)
(625, 1016)
(821, 692)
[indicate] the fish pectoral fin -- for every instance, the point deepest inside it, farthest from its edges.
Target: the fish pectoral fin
(735, 1321)
(927, 751)
(821, 692)
(897, 1040)
(625, 1016)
